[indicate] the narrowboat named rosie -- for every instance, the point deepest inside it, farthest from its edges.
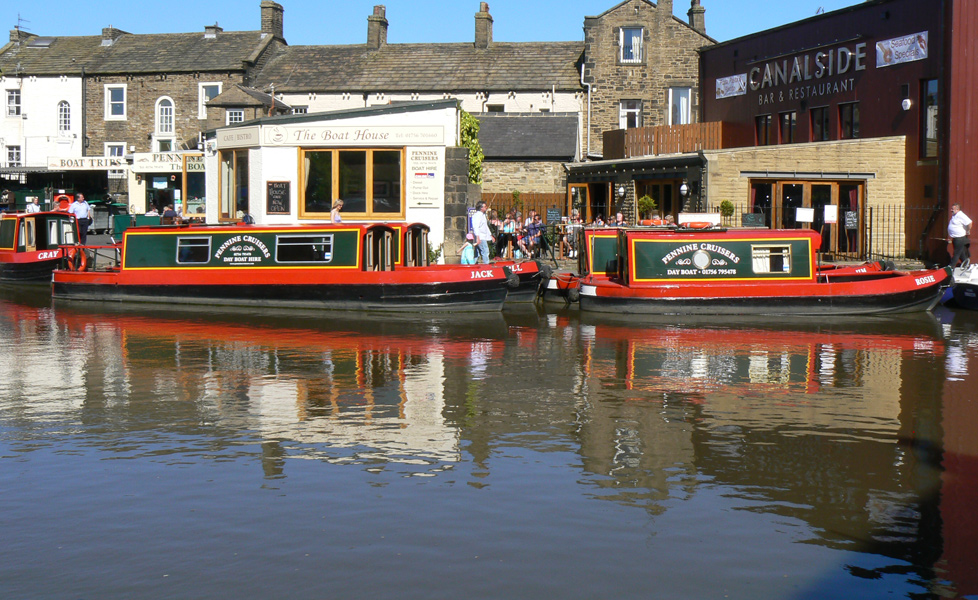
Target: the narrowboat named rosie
(742, 272)
(30, 242)
(371, 267)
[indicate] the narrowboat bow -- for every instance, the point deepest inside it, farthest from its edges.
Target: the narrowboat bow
(372, 267)
(763, 272)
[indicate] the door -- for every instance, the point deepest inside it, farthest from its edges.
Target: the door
(30, 234)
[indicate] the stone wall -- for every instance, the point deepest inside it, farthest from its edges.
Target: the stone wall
(669, 59)
(459, 196)
(142, 93)
(884, 158)
(529, 176)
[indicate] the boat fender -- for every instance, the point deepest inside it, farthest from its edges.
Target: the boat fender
(698, 225)
(889, 266)
(546, 271)
(512, 279)
(77, 259)
(573, 294)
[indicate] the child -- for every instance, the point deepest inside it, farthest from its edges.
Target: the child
(467, 251)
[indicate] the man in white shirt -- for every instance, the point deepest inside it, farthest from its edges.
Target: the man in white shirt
(34, 206)
(958, 229)
(480, 228)
(82, 212)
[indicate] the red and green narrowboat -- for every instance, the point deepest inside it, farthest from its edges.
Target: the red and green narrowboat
(726, 272)
(30, 244)
(369, 267)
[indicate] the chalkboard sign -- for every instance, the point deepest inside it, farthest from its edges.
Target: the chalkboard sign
(553, 216)
(278, 197)
(752, 220)
(852, 219)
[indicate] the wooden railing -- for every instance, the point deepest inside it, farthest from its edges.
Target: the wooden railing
(675, 139)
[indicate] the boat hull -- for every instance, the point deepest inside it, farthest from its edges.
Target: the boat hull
(530, 274)
(28, 272)
(389, 297)
(873, 294)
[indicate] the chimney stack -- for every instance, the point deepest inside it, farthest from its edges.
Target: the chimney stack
(19, 35)
(483, 27)
(697, 17)
(211, 31)
(272, 19)
(377, 28)
(663, 9)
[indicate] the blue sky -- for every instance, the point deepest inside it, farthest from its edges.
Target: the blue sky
(345, 21)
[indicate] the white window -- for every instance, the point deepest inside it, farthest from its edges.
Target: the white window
(13, 103)
(115, 102)
(630, 44)
(164, 116)
(205, 93)
(630, 114)
(117, 150)
(235, 115)
(680, 106)
(64, 117)
(13, 156)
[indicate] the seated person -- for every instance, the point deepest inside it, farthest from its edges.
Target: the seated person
(170, 215)
(507, 235)
(152, 212)
(467, 251)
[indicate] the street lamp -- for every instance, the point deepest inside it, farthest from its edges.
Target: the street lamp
(684, 190)
(621, 192)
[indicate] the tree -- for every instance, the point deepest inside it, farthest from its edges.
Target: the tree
(470, 140)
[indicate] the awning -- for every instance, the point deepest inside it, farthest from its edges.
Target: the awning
(25, 170)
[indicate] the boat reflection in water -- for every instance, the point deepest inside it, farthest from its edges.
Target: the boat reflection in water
(573, 454)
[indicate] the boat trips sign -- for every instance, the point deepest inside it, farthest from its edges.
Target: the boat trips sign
(704, 259)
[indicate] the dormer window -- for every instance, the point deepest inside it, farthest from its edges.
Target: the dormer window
(630, 44)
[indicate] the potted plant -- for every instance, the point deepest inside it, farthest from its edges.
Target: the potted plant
(726, 209)
(646, 206)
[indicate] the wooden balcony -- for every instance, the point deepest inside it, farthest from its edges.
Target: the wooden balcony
(676, 139)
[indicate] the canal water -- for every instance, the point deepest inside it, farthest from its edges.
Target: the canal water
(538, 453)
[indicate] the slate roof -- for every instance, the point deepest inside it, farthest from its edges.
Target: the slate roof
(239, 95)
(424, 68)
(135, 53)
(508, 136)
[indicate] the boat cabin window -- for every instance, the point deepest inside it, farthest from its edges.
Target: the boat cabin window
(195, 250)
(304, 248)
(67, 233)
(771, 259)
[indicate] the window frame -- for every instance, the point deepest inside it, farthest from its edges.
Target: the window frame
(283, 241)
(686, 116)
(14, 103)
(165, 125)
(792, 136)
(628, 108)
(236, 112)
(764, 130)
(15, 157)
(930, 117)
(109, 102)
(191, 247)
(236, 155)
(823, 126)
(202, 99)
(110, 149)
(64, 118)
(336, 181)
(849, 121)
(638, 57)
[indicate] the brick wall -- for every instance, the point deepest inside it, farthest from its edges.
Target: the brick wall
(669, 59)
(883, 157)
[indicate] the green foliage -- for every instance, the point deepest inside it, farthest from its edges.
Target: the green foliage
(434, 253)
(517, 203)
(470, 140)
(726, 209)
(646, 206)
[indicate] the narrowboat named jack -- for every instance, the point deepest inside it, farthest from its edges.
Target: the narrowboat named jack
(742, 272)
(30, 242)
(368, 267)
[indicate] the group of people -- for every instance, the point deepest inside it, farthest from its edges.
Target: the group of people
(523, 238)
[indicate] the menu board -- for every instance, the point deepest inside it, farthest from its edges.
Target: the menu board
(278, 198)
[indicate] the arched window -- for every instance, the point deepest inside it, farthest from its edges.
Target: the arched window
(164, 116)
(64, 117)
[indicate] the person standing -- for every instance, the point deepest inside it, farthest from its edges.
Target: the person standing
(34, 206)
(958, 229)
(82, 212)
(334, 213)
(480, 229)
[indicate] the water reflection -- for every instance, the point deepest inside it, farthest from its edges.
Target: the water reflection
(841, 451)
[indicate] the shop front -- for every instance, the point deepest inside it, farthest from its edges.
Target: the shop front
(161, 179)
(385, 163)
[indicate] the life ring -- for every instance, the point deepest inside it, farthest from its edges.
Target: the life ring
(61, 202)
(698, 225)
(77, 260)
